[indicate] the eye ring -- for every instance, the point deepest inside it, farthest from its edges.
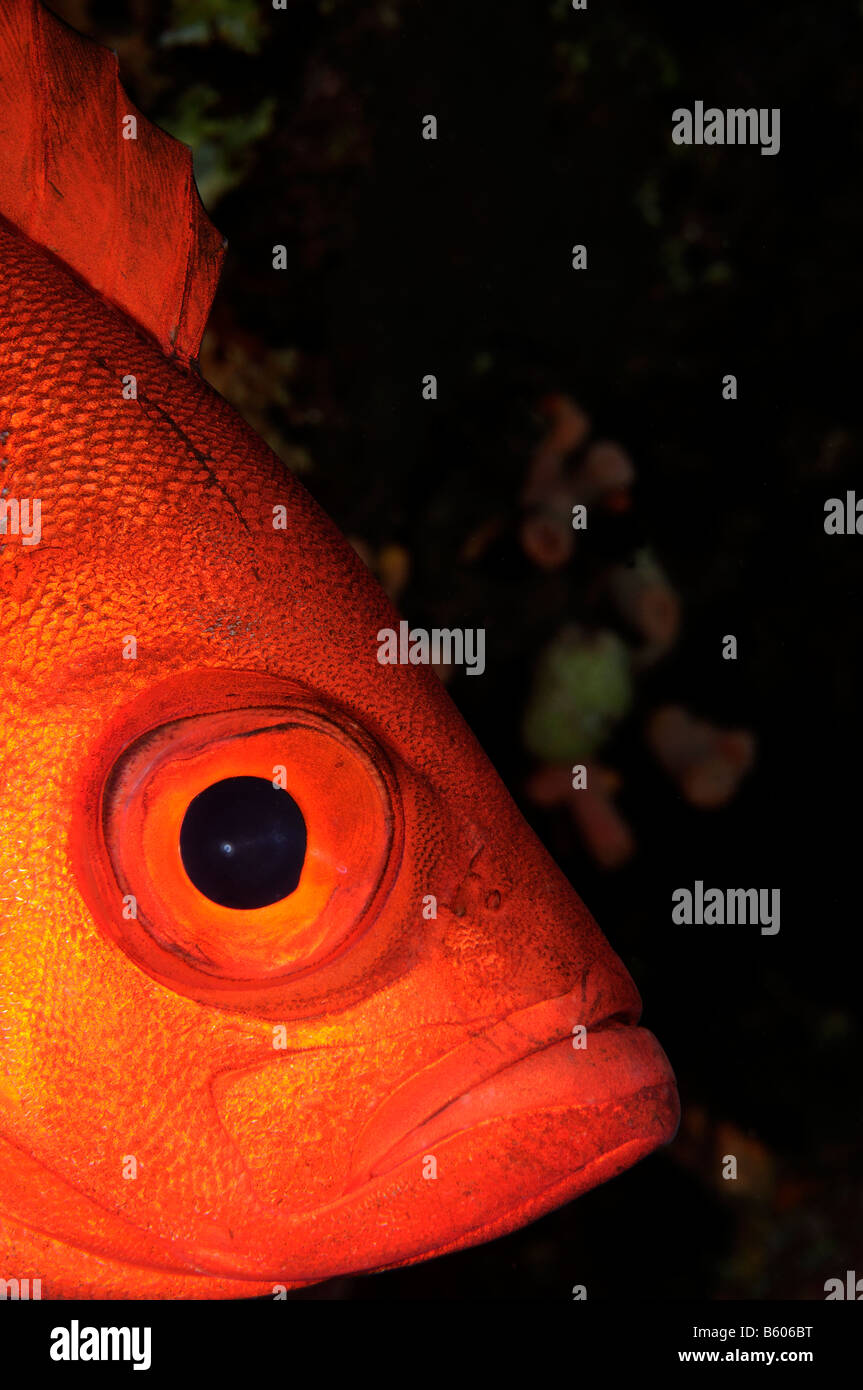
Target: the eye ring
(234, 955)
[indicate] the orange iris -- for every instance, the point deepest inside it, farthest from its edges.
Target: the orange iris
(171, 928)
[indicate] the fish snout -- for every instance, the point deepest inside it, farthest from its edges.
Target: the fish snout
(513, 932)
(555, 1089)
(534, 1060)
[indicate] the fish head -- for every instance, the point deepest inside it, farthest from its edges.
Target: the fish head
(387, 1027)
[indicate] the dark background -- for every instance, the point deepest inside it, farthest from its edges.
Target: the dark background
(453, 257)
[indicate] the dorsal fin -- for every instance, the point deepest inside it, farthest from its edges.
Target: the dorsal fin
(124, 214)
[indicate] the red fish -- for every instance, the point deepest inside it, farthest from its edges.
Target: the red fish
(288, 989)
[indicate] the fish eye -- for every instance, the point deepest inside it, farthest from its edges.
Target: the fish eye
(228, 853)
(243, 842)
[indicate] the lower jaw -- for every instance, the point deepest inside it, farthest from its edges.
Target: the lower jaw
(544, 1147)
(490, 1180)
(486, 1180)
(528, 1139)
(558, 1194)
(508, 1172)
(410, 1218)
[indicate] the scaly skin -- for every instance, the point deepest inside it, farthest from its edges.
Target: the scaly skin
(149, 1043)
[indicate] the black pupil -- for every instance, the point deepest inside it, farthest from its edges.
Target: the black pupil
(243, 842)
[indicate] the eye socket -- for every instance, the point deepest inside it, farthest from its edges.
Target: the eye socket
(304, 805)
(243, 842)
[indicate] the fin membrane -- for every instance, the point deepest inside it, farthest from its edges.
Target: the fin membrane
(123, 213)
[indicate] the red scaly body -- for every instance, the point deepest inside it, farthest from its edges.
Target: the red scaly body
(197, 1100)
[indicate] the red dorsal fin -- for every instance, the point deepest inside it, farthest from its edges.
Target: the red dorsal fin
(124, 214)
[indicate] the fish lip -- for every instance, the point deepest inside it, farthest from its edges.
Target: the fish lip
(435, 1103)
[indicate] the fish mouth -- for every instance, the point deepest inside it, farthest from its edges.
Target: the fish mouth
(544, 1058)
